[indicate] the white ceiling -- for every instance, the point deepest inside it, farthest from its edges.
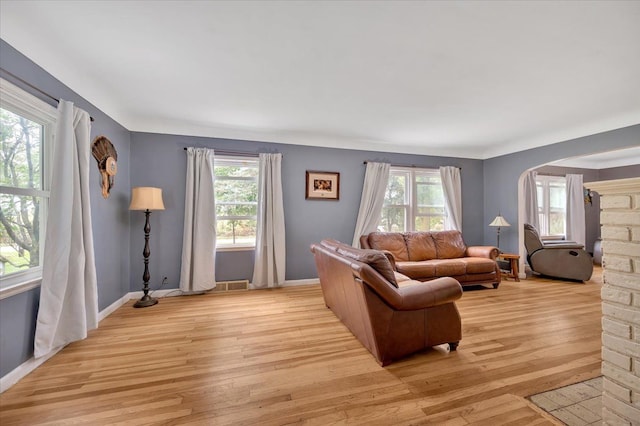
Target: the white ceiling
(465, 79)
(603, 160)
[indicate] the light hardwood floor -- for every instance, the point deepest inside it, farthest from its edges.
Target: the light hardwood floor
(277, 357)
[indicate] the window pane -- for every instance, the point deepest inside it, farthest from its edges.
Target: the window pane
(19, 233)
(430, 194)
(393, 219)
(556, 223)
(429, 223)
(236, 209)
(236, 232)
(21, 147)
(231, 168)
(557, 197)
(236, 191)
(396, 190)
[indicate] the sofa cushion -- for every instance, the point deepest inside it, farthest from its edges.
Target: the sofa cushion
(374, 258)
(449, 244)
(479, 265)
(391, 241)
(416, 270)
(420, 246)
(449, 267)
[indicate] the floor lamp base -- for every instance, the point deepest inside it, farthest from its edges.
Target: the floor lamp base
(145, 301)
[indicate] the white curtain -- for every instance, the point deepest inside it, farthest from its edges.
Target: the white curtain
(269, 266)
(531, 200)
(197, 273)
(576, 228)
(452, 188)
(376, 178)
(69, 291)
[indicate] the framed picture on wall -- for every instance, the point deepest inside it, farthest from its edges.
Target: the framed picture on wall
(322, 186)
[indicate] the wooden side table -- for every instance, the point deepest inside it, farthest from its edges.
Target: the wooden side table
(513, 259)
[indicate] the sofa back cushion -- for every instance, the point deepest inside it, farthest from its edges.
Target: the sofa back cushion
(391, 241)
(420, 246)
(374, 258)
(449, 244)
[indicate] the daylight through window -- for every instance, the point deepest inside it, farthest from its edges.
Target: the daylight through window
(26, 125)
(236, 195)
(552, 204)
(414, 201)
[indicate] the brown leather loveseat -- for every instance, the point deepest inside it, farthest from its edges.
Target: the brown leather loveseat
(391, 319)
(424, 256)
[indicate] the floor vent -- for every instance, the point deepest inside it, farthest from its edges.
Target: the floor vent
(223, 286)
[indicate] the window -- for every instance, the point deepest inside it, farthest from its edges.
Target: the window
(26, 126)
(236, 195)
(552, 205)
(414, 201)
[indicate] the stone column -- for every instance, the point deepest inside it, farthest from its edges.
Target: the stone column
(620, 221)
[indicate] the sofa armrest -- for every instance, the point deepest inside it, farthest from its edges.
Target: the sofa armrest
(562, 245)
(489, 252)
(436, 292)
(391, 258)
(412, 295)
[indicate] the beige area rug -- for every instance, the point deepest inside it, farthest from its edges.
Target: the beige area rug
(579, 404)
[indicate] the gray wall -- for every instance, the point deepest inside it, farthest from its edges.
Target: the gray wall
(161, 161)
(110, 218)
(501, 174)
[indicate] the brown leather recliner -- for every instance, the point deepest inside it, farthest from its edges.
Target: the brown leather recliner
(391, 315)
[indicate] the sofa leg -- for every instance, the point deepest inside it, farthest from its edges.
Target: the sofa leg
(495, 285)
(453, 346)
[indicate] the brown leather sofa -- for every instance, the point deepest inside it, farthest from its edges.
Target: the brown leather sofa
(391, 319)
(424, 256)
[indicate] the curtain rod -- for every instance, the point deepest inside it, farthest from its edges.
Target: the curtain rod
(236, 153)
(403, 165)
(53, 98)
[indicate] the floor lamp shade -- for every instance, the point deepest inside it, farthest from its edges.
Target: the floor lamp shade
(146, 198)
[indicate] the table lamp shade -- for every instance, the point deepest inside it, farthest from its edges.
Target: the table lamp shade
(146, 198)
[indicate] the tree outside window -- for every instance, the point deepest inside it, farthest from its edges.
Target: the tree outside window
(22, 199)
(414, 201)
(552, 202)
(236, 195)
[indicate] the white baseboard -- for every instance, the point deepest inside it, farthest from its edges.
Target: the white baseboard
(112, 308)
(290, 283)
(23, 369)
(293, 283)
(32, 363)
(169, 292)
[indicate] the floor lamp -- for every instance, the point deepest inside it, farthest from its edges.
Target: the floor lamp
(499, 222)
(147, 199)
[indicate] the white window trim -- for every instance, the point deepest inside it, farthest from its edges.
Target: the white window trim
(17, 100)
(245, 246)
(411, 208)
(545, 208)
